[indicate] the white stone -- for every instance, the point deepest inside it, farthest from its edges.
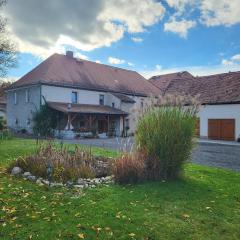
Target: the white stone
(45, 182)
(16, 171)
(80, 181)
(78, 186)
(26, 174)
(32, 178)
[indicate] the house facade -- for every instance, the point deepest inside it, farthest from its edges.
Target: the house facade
(219, 95)
(86, 96)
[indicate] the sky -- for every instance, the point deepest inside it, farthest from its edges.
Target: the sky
(149, 36)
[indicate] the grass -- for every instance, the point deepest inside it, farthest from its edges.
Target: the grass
(204, 205)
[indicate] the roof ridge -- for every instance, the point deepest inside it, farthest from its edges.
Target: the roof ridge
(219, 74)
(173, 73)
(102, 64)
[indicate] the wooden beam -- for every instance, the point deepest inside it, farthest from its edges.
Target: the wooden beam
(108, 126)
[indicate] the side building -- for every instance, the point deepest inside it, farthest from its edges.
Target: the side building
(219, 95)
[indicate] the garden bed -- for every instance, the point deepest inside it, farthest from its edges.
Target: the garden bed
(56, 166)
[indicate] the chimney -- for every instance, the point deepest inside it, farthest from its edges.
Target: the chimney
(69, 54)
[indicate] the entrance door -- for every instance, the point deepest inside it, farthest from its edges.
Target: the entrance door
(221, 129)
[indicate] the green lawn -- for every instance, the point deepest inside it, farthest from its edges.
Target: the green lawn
(204, 205)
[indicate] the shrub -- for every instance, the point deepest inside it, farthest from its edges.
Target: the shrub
(5, 135)
(130, 168)
(166, 135)
(44, 121)
(2, 124)
(66, 165)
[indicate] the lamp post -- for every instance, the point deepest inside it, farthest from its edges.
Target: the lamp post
(49, 173)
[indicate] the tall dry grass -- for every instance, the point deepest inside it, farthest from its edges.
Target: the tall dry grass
(165, 133)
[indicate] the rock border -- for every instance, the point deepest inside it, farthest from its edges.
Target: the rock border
(80, 183)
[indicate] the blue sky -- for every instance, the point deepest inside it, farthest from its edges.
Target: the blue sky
(193, 35)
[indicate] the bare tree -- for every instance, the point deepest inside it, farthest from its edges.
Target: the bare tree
(7, 47)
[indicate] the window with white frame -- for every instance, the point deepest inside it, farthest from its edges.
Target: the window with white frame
(74, 97)
(15, 97)
(101, 99)
(27, 95)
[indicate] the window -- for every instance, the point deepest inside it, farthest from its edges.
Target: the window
(101, 99)
(74, 97)
(113, 105)
(27, 95)
(15, 98)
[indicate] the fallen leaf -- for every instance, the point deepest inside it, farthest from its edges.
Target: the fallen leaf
(131, 234)
(81, 235)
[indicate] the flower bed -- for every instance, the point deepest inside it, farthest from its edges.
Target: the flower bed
(58, 165)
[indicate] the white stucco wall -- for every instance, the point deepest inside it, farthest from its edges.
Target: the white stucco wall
(227, 111)
(61, 94)
(131, 109)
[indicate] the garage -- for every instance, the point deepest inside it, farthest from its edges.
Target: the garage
(221, 129)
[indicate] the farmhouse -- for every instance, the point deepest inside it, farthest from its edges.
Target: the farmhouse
(219, 116)
(86, 96)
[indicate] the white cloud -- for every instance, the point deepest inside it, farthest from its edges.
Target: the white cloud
(227, 62)
(212, 12)
(80, 55)
(220, 12)
(116, 61)
(137, 39)
(158, 67)
(180, 5)
(9, 79)
(130, 64)
(179, 27)
(86, 25)
(234, 60)
(236, 57)
(194, 70)
(98, 61)
(135, 15)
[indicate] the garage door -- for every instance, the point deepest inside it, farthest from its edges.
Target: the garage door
(221, 129)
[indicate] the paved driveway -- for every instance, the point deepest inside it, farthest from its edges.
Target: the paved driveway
(210, 153)
(217, 155)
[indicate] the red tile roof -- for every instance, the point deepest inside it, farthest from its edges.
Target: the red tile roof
(85, 108)
(163, 81)
(61, 70)
(213, 89)
(124, 98)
